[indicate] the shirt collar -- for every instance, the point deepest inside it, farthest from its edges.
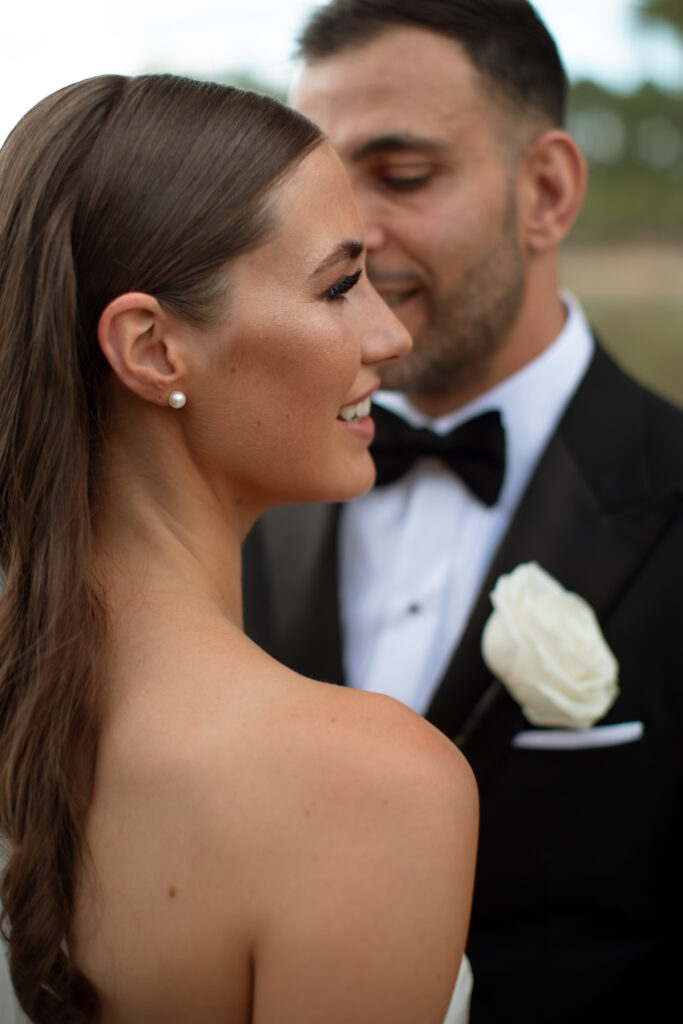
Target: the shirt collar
(531, 401)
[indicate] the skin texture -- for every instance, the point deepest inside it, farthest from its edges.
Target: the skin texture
(464, 202)
(262, 848)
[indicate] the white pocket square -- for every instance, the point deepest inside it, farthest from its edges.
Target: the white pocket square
(579, 739)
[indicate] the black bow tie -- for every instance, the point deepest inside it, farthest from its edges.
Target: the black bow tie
(475, 450)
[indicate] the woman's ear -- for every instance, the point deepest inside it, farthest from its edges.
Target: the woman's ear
(553, 181)
(138, 342)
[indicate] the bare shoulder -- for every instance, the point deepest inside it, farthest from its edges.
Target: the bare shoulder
(341, 831)
(325, 837)
(375, 870)
(377, 746)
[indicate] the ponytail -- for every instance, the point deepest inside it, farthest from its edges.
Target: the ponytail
(51, 621)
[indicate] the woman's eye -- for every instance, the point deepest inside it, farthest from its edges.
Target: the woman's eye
(343, 285)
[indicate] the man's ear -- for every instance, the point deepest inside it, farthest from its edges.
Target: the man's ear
(137, 340)
(553, 184)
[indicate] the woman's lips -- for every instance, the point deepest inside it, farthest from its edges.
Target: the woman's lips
(355, 417)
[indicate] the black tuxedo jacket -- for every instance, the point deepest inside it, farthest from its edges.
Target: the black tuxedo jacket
(578, 909)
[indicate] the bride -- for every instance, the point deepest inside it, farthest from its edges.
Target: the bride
(187, 337)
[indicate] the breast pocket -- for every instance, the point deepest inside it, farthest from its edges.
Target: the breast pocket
(579, 739)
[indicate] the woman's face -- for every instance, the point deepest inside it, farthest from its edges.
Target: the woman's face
(302, 340)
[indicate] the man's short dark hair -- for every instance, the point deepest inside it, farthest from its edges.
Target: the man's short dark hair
(505, 40)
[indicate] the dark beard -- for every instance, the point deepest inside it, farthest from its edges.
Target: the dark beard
(467, 327)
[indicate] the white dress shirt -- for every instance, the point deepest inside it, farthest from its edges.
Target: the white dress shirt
(413, 554)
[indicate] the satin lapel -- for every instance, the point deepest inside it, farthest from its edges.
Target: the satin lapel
(300, 547)
(586, 520)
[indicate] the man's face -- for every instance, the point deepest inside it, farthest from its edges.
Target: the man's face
(422, 141)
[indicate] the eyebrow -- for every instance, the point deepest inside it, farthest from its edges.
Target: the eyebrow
(349, 250)
(397, 142)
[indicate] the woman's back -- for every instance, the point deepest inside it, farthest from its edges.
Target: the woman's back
(265, 847)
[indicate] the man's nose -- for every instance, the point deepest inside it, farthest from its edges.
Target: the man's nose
(373, 222)
(374, 237)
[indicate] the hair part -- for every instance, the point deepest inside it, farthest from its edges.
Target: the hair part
(505, 40)
(154, 184)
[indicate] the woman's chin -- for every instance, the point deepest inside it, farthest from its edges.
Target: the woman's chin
(357, 482)
(352, 484)
(354, 478)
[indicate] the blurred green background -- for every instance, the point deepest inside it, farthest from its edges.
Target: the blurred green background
(624, 257)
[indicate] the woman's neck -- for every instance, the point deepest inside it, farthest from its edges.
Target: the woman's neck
(164, 529)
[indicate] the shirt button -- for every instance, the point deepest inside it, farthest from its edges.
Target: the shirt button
(413, 609)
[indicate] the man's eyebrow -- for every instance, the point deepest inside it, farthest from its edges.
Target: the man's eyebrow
(396, 142)
(349, 250)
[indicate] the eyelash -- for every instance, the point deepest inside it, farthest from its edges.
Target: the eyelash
(341, 287)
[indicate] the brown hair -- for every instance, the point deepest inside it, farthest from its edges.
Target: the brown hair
(111, 185)
(504, 39)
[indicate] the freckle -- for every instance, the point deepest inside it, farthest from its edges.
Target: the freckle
(171, 892)
(333, 719)
(233, 369)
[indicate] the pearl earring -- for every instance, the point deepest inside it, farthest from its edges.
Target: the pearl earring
(177, 399)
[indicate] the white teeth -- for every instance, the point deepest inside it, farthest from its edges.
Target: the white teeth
(355, 412)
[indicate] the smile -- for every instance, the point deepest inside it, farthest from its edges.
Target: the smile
(356, 411)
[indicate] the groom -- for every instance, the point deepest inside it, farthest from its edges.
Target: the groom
(448, 116)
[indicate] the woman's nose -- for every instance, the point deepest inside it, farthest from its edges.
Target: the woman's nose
(384, 336)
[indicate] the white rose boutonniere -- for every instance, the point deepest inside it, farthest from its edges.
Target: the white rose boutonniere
(544, 643)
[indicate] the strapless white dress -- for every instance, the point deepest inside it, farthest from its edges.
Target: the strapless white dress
(459, 1007)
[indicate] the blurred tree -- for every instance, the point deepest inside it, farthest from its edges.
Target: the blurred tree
(625, 257)
(668, 12)
(634, 144)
